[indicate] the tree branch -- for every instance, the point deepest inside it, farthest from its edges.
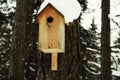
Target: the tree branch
(115, 23)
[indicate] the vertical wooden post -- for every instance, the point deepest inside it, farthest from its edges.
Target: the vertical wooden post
(54, 61)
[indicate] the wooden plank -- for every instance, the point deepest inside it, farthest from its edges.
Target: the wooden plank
(52, 50)
(43, 33)
(54, 63)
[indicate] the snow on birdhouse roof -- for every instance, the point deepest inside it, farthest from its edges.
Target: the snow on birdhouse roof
(69, 8)
(49, 4)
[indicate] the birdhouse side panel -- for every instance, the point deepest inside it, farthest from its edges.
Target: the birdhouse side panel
(43, 33)
(62, 34)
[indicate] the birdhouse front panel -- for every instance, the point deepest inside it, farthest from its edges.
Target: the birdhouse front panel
(51, 29)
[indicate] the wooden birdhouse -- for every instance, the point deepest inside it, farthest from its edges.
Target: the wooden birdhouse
(51, 32)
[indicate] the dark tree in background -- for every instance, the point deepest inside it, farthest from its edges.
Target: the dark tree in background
(105, 42)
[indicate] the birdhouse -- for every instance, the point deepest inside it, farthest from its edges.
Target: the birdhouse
(51, 32)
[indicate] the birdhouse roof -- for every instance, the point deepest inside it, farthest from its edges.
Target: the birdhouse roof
(50, 5)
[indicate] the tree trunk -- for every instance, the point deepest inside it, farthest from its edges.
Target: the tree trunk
(19, 40)
(69, 63)
(105, 42)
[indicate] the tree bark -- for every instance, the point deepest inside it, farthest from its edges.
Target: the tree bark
(105, 42)
(19, 40)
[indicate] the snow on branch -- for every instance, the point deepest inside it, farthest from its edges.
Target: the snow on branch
(93, 50)
(92, 70)
(115, 73)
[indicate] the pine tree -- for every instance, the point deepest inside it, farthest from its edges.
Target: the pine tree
(89, 40)
(6, 22)
(117, 42)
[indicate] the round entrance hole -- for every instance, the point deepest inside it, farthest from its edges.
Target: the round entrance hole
(50, 19)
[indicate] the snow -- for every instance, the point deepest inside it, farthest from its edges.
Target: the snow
(94, 11)
(94, 63)
(7, 63)
(11, 3)
(31, 69)
(117, 55)
(94, 50)
(1, 56)
(116, 64)
(94, 73)
(69, 8)
(115, 73)
(9, 26)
